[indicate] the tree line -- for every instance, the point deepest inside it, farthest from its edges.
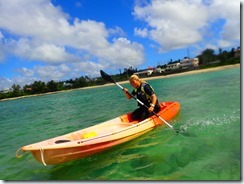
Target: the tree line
(207, 58)
(39, 87)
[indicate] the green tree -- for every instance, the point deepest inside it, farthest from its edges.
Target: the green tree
(16, 90)
(39, 87)
(207, 56)
(79, 82)
(223, 56)
(232, 53)
(52, 86)
(27, 89)
(220, 51)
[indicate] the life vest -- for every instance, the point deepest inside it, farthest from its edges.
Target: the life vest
(142, 95)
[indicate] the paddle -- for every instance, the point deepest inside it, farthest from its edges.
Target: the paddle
(107, 77)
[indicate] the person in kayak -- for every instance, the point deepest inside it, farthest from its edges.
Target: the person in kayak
(145, 93)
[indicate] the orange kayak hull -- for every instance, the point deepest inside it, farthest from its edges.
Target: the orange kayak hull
(97, 138)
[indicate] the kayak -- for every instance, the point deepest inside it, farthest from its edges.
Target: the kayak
(97, 138)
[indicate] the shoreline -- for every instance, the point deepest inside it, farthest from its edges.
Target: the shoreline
(124, 82)
(197, 71)
(174, 75)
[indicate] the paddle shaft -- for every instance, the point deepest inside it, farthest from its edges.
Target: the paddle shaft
(139, 101)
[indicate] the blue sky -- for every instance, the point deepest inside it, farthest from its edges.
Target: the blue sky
(60, 40)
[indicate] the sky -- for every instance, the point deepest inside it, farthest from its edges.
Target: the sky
(65, 39)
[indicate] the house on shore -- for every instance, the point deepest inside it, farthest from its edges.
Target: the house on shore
(144, 72)
(4, 91)
(185, 63)
(188, 63)
(172, 66)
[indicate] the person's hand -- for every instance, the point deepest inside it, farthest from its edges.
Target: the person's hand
(125, 90)
(150, 109)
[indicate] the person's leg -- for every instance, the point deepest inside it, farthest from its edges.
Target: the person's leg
(144, 113)
(136, 114)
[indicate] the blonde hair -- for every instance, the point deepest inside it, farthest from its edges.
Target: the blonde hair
(135, 77)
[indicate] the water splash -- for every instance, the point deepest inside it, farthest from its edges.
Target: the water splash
(211, 122)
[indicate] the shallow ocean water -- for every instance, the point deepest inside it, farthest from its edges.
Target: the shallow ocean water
(208, 149)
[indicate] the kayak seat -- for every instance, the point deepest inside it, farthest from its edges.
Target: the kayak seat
(126, 118)
(73, 136)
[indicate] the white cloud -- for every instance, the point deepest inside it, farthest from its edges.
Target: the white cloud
(44, 73)
(2, 52)
(141, 32)
(26, 72)
(117, 31)
(172, 22)
(49, 72)
(58, 72)
(31, 18)
(43, 32)
(24, 80)
(176, 24)
(122, 53)
(230, 11)
(44, 52)
(88, 68)
(5, 83)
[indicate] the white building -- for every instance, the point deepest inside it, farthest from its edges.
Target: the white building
(189, 63)
(145, 72)
(186, 63)
(158, 70)
(172, 66)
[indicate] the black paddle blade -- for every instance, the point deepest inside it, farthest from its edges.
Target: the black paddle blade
(106, 77)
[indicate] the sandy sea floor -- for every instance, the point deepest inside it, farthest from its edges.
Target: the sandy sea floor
(146, 79)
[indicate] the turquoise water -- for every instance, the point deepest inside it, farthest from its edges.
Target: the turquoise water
(209, 149)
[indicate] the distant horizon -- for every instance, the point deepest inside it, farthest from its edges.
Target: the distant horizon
(126, 81)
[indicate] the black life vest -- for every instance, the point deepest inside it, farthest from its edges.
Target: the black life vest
(142, 95)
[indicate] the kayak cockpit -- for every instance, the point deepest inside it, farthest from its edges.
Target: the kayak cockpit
(97, 131)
